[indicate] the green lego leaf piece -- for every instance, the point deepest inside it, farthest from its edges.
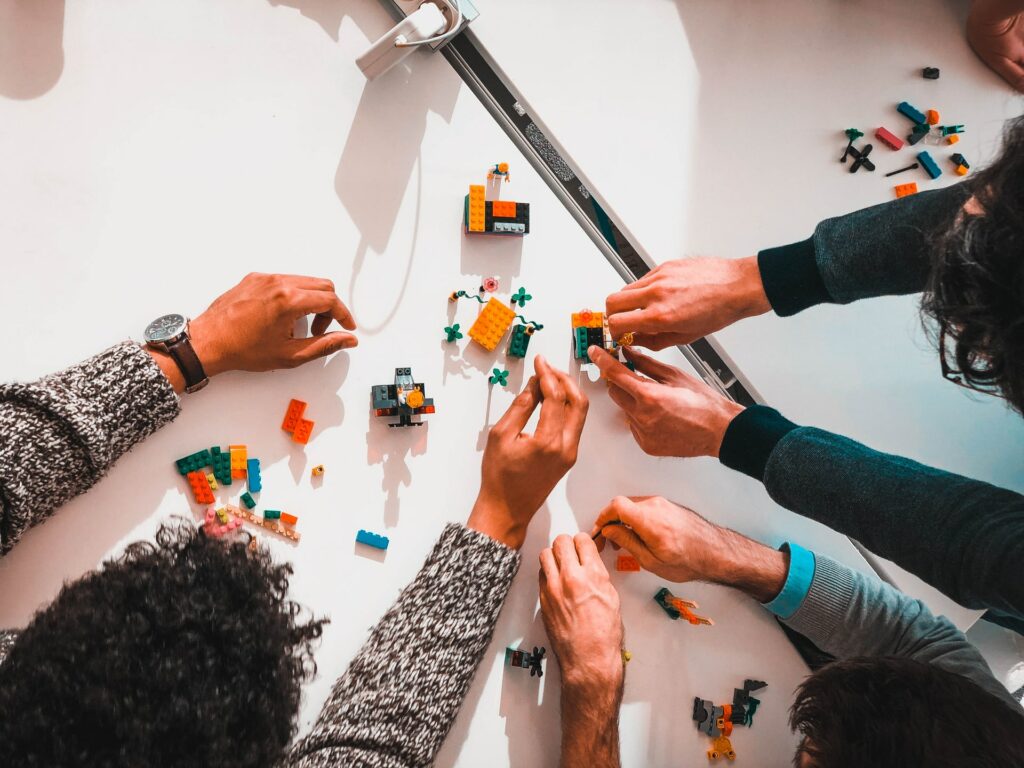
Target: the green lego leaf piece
(520, 297)
(499, 377)
(853, 134)
(452, 332)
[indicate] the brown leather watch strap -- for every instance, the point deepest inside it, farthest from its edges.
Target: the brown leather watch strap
(188, 361)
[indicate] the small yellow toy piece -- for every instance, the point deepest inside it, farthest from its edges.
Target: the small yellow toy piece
(239, 458)
(414, 399)
(587, 319)
(477, 208)
(627, 339)
(626, 656)
(212, 479)
(721, 747)
(318, 470)
(491, 324)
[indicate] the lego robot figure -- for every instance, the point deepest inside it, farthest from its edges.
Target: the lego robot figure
(677, 608)
(405, 399)
(531, 661)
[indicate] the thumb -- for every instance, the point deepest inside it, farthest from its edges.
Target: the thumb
(304, 350)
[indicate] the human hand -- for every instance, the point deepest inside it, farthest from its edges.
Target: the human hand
(581, 615)
(249, 328)
(519, 470)
(997, 35)
(669, 413)
(682, 300)
(679, 545)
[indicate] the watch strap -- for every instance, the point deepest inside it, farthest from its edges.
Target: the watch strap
(185, 356)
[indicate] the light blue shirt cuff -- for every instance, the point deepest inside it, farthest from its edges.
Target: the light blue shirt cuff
(798, 581)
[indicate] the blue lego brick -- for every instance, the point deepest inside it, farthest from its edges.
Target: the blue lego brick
(914, 114)
(372, 539)
(929, 165)
(253, 474)
(248, 500)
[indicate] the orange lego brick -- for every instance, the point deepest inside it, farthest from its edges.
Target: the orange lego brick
(505, 209)
(491, 324)
(302, 431)
(627, 563)
(289, 519)
(952, 139)
(932, 116)
(291, 418)
(902, 190)
(200, 487)
(239, 459)
(961, 170)
(476, 208)
(587, 319)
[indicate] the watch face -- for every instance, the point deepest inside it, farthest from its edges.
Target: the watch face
(165, 328)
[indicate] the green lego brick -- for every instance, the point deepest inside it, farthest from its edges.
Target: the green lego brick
(221, 461)
(518, 342)
(248, 500)
(193, 462)
(272, 514)
(580, 348)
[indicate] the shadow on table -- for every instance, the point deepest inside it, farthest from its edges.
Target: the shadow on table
(389, 447)
(31, 47)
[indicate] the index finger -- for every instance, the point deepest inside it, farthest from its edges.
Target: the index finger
(324, 303)
(634, 296)
(577, 406)
(615, 372)
(622, 510)
(586, 550)
(552, 412)
(514, 420)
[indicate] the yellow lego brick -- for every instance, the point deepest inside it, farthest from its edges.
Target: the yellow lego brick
(587, 319)
(212, 480)
(491, 324)
(477, 208)
(239, 455)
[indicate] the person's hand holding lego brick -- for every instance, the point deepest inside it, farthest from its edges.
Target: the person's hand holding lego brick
(520, 469)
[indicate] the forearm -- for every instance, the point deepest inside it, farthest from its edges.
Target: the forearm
(879, 251)
(590, 727)
(397, 700)
(63, 432)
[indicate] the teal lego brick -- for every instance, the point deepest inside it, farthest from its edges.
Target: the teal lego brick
(271, 514)
(221, 465)
(194, 462)
(518, 341)
(580, 347)
(252, 472)
(372, 539)
(248, 500)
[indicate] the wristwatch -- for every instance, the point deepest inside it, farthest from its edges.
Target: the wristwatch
(169, 334)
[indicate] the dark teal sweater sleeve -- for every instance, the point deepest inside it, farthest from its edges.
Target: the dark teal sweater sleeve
(884, 250)
(962, 536)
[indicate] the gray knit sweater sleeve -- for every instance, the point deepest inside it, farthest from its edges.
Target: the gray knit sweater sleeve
(60, 434)
(396, 702)
(846, 614)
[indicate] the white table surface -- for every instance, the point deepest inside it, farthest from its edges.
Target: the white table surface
(714, 128)
(153, 153)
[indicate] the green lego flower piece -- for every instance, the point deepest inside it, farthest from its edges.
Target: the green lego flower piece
(853, 134)
(453, 332)
(520, 297)
(499, 377)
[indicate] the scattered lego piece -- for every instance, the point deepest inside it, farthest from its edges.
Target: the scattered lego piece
(916, 136)
(949, 130)
(891, 140)
(200, 487)
(318, 471)
(929, 164)
(194, 462)
(252, 471)
(852, 134)
(902, 190)
(222, 515)
(677, 608)
(914, 114)
(930, 73)
(272, 514)
(531, 661)
(860, 157)
(520, 297)
(962, 166)
(499, 377)
(627, 563)
(296, 408)
(405, 399)
(626, 656)
(226, 524)
(452, 333)
(248, 500)
(212, 480)
(302, 431)
(932, 117)
(239, 455)
(718, 721)
(289, 519)
(372, 539)
(269, 524)
(910, 167)
(221, 465)
(489, 285)
(952, 139)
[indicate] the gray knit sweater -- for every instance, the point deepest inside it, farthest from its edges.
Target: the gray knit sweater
(396, 702)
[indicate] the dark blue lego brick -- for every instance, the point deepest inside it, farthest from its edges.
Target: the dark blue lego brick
(929, 165)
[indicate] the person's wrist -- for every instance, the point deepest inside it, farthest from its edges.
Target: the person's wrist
(751, 298)
(595, 680)
(493, 517)
(721, 417)
(207, 349)
(747, 565)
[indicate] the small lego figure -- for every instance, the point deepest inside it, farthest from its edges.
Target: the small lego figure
(500, 170)
(318, 471)
(517, 658)
(677, 608)
(405, 399)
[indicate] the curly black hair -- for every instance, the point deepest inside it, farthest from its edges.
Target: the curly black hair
(894, 711)
(975, 292)
(185, 652)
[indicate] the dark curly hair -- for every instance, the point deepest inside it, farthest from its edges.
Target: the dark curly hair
(894, 711)
(185, 652)
(975, 293)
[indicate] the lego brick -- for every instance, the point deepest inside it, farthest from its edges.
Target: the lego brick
(932, 117)
(929, 165)
(627, 563)
(491, 324)
(317, 471)
(518, 341)
(212, 480)
(272, 514)
(930, 73)
(474, 210)
(587, 319)
(891, 140)
(200, 487)
(302, 431)
(372, 539)
(296, 408)
(509, 228)
(961, 170)
(273, 526)
(248, 500)
(505, 209)
(221, 465)
(580, 344)
(912, 113)
(194, 461)
(288, 519)
(902, 190)
(949, 130)
(959, 159)
(952, 139)
(239, 455)
(252, 470)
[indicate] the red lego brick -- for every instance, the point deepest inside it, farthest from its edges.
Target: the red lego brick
(291, 419)
(891, 140)
(627, 563)
(503, 209)
(302, 431)
(200, 487)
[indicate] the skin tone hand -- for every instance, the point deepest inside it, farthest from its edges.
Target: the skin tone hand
(679, 545)
(520, 469)
(682, 300)
(249, 328)
(995, 30)
(581, 615)
(669, 412)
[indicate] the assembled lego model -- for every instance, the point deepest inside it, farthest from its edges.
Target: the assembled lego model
(494, 217)
(405, 399)
(677, 608)
(591, 329)
(531, 661)
(494, 320)
(718, 722)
